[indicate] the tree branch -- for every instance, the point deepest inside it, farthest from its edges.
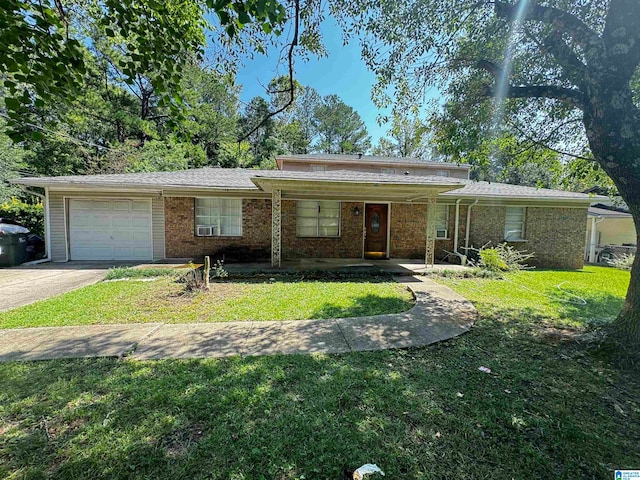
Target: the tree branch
(291, 89)
(560, 20)
(573, 68)
(621, 37)
(570, 96)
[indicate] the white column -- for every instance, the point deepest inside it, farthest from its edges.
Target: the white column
(276, 227)
(431, 231)
(593, 241)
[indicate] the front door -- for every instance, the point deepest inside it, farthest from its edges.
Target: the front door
(375, 230)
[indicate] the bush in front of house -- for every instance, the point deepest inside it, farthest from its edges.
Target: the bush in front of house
(503, 258)
(30, 215)
(623, 262)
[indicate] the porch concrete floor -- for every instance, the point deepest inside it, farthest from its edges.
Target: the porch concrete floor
(439, 314)
(398, 266)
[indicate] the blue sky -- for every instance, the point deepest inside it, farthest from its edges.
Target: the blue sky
(342, 72)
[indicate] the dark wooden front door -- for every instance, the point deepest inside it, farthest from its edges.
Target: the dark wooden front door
(375, 230)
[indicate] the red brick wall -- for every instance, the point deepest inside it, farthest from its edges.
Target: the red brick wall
(408, 230)
(348, 245)
(555, 235)
(180, 238)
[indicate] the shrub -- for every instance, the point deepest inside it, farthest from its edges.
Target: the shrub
(491, 259)
(31, 215)
(503, 258)
(623, 262)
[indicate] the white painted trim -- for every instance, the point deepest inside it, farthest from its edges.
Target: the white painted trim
(67, 205)
(67, 244)
(47, 224)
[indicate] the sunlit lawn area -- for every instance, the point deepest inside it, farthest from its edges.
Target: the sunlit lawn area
(574, 298)
(165, 300)
(549, 408)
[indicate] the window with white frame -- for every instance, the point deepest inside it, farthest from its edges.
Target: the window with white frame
(318, 168)
(514, 224)
(317, 219)
(442, 173)
(388, 170)
(442, 221)
(218, 217)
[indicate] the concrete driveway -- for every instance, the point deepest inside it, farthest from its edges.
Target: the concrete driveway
(23, 285)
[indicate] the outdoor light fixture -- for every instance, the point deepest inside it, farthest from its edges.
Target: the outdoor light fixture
(356, 211)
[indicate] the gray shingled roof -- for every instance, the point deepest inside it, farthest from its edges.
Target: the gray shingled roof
(605, 212)
(370, 159)
(240, 179)
(356, 177)
(490, 189)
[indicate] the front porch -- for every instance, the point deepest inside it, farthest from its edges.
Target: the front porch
(401, 266)
(365, 224)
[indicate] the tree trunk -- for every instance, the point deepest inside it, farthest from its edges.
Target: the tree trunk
(612, 123)
(626, 327)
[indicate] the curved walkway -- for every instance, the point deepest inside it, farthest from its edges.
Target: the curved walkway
(439, 314)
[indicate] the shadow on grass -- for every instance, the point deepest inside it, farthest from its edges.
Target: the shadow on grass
(585, 308)
(365, 305)
(292, 416)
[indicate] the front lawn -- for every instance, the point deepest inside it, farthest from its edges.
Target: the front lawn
(548, 409)
(572, 298)
(164, 300)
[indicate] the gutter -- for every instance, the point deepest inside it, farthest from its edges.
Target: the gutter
(466, 238)
(457, 226)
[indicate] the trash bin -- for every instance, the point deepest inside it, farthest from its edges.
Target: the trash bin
(13, 244)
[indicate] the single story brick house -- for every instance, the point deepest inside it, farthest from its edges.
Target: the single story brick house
(313, 206)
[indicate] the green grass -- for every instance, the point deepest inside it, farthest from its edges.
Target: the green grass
(117, 273)
(164, 300)
(549, 409)
(572, 298)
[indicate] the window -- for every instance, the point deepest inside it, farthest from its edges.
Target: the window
(442, 173)
(317, 219)
(388, 170)
(442, 221)
(218, 217)
(514, 224)
(318, 168)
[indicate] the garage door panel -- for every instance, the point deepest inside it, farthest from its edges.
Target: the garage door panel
(101, 205)
(110, 229)
(121, 222)
(138, 206)
(140, 221)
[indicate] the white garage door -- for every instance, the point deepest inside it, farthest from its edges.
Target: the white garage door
(110, 229)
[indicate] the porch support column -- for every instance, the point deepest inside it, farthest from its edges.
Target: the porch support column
(593, 241)
(276, 227)
(431, 231)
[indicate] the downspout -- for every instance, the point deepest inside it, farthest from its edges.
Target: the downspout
(466, 237)
(47, 241)
(594, 238)
(457, 226)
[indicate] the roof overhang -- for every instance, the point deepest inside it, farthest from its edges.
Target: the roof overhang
(368, 162)
(292, 188)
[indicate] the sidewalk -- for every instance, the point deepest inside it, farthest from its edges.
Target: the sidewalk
(439, 314)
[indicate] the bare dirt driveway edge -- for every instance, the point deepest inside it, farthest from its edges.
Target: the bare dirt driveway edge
(28, 284)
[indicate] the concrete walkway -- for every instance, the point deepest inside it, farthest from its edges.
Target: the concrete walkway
(27, 284)
(439, 314)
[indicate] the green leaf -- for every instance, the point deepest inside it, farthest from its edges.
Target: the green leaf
(12, 103)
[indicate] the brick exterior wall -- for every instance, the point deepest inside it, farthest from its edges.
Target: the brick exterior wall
(348, 245)
(408, 230)
(182, 242)
(555, 235)
(409, 226)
